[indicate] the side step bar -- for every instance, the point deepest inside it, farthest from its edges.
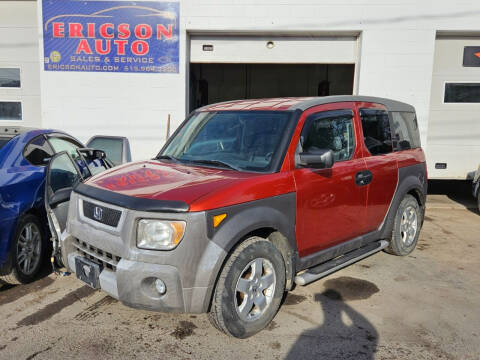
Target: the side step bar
(333, 265)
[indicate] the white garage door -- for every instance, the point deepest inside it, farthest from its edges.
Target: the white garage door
(273, 50)
(453, 150)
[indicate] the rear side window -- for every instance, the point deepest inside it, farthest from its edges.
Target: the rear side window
(405, 131)
(38, 151)
(63, 144)
(330, 130)
(376, 131)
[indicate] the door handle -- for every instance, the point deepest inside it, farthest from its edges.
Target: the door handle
(363, 177)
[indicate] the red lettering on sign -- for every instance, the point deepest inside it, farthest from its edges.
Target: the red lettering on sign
(120, 46)
(143, 31)
(139, 47)
(91, 30)
(162, 31)
(103, 30)
(75, 30)
(99, 48)
(83, 47)
(123, 31)
(58, 30)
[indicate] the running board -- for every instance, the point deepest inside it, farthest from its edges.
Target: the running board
(333, 265)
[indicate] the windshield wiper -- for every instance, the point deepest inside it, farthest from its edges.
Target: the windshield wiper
(216, 163)
(167, 157)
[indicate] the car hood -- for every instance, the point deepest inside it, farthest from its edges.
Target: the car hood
(201, 188)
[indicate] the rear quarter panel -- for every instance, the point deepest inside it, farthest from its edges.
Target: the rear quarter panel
(21, 189)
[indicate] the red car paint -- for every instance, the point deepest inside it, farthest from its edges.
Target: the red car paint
(330, 207)
(328, 194)
(202, 188)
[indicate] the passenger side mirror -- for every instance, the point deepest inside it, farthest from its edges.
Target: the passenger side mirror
(92, 154)
(321, 159)
(116, 148)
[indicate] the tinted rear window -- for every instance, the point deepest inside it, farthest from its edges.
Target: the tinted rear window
(405, 131)
(376, 131)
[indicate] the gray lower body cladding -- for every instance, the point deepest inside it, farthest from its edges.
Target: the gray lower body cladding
(189, 271)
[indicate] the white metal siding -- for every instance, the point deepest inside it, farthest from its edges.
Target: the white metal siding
(454, 128)
(19, 49)
(396, 60)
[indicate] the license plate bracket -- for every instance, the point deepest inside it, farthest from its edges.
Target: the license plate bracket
(88, 271)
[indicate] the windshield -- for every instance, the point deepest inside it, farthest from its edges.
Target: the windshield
(4, 141)
(240, 140)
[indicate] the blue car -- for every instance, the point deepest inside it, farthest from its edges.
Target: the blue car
(24, 233)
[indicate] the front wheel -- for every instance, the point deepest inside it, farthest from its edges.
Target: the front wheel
(27, 251)
(250, 289)
(478, 201)
(406, 228)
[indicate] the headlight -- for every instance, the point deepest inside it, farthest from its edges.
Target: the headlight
(159, 234)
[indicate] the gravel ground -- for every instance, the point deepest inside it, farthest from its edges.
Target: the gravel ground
(423, 306)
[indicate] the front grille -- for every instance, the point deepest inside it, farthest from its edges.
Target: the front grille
(104, 258)
(101, 214)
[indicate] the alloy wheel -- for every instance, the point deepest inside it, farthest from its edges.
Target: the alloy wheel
(255, 289)
(409, 225)
(29, 248)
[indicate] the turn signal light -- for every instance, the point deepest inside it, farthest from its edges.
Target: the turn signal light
(217, 219)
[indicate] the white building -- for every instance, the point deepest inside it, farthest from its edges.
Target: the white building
(408, 50)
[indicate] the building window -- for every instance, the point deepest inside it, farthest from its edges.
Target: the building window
(462, 93)
(10, 110)
(9, 78)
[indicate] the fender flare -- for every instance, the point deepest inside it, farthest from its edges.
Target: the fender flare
(406, 184)
(276, 213)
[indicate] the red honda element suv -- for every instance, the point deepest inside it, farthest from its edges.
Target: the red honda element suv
(248, 198)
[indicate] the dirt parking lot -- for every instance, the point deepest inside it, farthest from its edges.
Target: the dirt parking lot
(423, 306)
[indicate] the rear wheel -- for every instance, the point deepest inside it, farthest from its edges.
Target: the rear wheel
(27, 251)
(406, 228)
(478, 201)
(250, 289)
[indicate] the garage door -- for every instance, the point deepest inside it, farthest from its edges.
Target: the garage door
(228, 68)
(453, 141)
(273, 50)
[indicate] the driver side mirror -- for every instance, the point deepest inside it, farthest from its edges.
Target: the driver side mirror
(116, 148)
(319, 159)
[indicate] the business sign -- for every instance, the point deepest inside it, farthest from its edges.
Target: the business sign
(471, 56)
(111, 36)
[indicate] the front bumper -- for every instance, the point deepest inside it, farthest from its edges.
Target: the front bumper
(189, 271)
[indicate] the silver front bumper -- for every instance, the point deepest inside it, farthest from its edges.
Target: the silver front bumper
(129, 273)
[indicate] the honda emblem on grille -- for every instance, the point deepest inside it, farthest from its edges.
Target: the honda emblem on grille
(98, 213)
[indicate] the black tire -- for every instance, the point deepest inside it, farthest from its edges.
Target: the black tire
(223, 313)
(402, 243)
(17, 274)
